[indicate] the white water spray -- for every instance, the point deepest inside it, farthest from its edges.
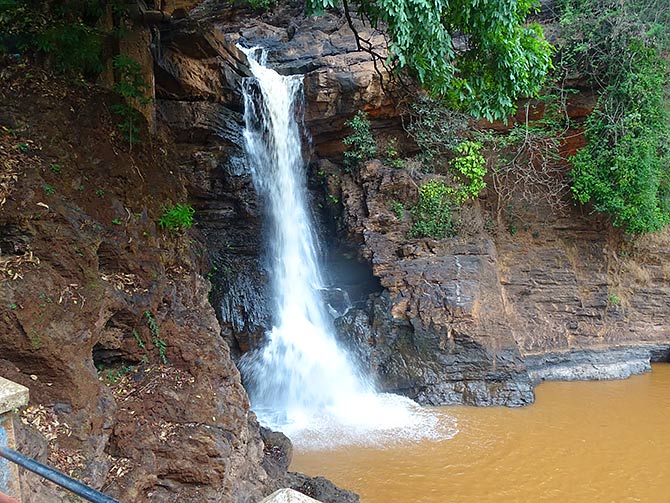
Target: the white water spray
(300, 381)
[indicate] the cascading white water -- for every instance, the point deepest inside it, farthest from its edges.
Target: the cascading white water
(300, 381)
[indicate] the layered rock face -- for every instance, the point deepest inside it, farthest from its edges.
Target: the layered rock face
(473, 319)
(438, 333)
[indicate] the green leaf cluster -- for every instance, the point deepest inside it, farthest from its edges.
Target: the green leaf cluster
(132, 87)
(65, 31)
(363, 145)
(624, 169)
(437, 130)
(469, 170)
(481, 56)
(432, 215)
(177, 217)
(159, 343)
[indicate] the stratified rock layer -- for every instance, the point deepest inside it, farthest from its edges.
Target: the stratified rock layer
(458, 320)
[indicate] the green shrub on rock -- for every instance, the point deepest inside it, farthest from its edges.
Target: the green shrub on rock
(178, 217)
(363, 145)
(433, 212)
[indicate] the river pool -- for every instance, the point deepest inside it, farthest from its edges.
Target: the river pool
(604, 441)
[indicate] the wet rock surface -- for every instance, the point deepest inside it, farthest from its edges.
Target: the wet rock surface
(320, 489)
(450, 321)
(427, 336)
(617, 362)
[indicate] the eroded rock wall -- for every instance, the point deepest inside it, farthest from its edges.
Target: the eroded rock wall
(472, 319)
(85, 273)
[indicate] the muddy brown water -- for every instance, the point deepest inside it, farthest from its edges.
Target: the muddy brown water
(606, 441)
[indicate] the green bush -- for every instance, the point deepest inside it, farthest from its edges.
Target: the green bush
(177, 217)
(66, 32)
(363, 144)
(437, 131)
(624, 169)
(469, 170)
(133, 89)
(432, 213)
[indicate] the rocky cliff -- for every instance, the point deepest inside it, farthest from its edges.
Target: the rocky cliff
(514, 298)
(105, 315)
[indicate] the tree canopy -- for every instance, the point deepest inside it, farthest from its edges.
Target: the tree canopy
(479, 55)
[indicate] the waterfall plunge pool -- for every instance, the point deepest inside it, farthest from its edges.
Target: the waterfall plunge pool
(586, 441)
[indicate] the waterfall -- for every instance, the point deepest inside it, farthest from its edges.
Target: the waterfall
(300, 380)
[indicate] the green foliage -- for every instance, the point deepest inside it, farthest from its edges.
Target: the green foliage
(159, 343)
(262, 4)
(624, 168)
(398, 209)
(112, 376)
(177, 217)
(437, 130)
(116, 221)
(133, 89)
(55, 168)
(363, 144)
(498, 57)
(391, 154)
(613, 299)
(432, 213)
(63, 31)
(138, 339)
(74, 46)
(49, 190)
(469, 170)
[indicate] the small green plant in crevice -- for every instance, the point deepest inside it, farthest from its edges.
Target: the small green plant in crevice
(13, 307)
(133, 89)
(333, 200)
(55, 168)
(398, 209)
(35, 339)
(432, 214)
(45, 299)
(391, 154)
(138, 339)
(116, 221)
(613, 299)
(99, 192)
(159, 343)
(177, 217)
(49, 190)
(23, 148)
(112, 376)
(363, 145)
